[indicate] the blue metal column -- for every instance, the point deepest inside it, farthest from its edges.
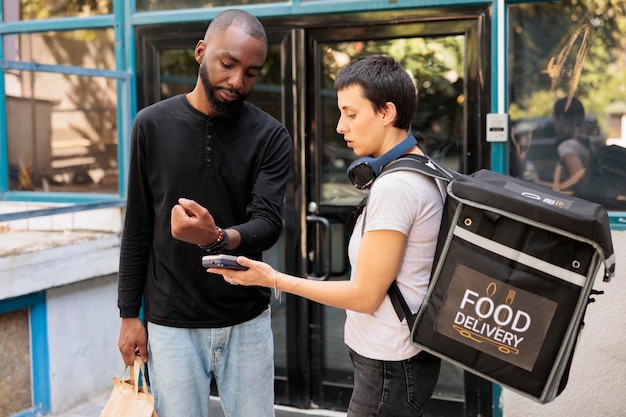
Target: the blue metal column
(4, 153)
(126, 92)
(499, 162)
(499, 150)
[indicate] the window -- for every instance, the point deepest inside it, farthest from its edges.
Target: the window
(436, 66)
(150, 5)
(45, 9)
(61, 133)
(569, 56)
(61, 127)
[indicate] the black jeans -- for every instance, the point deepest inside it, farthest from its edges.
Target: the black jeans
(392, 388)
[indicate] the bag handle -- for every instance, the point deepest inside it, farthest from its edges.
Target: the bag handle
(138, 374)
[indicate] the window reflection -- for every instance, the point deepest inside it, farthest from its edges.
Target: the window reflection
(82, 48)
(62, 132)
(568, 79)
(179, 71)
(150, 5)
(44, 9)
(436, 65)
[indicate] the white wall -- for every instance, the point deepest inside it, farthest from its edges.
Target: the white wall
(598, 373)
(83, 328)
(74, 257)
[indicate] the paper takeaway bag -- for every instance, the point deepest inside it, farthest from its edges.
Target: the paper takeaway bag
(128, 398)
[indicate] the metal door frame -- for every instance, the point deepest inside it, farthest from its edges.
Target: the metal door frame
(302, 385)
(474, 25)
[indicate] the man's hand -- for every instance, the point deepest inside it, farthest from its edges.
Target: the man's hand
(133, 340)
(192, 223)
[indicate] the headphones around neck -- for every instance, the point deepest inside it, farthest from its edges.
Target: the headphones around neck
(364, 171)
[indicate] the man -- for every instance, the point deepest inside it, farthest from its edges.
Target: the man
(207, 175)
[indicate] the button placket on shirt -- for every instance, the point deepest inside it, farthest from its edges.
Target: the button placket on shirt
(208, 150)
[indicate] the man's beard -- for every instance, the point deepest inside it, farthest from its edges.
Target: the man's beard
(225, 109)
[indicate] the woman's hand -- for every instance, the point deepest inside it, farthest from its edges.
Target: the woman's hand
(258, 273)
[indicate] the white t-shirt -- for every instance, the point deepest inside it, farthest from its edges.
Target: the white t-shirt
(573, 146)
(410, 203)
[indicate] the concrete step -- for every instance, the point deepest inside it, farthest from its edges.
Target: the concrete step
(95, 406)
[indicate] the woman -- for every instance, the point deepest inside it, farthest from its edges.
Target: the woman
(377, 100)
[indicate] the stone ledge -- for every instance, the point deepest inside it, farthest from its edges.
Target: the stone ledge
(36, 261)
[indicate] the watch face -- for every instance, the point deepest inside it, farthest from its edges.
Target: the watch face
(362, 175)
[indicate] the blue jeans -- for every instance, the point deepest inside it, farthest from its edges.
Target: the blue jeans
(240, 358)
(392, 388)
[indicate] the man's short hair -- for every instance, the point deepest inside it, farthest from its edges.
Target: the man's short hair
(240, 18)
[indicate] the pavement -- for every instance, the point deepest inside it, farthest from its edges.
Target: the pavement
(93, 408)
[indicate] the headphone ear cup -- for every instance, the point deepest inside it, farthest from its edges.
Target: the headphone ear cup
(364, 171)
(361, 172)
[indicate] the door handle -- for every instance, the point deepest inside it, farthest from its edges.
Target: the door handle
(324, 249)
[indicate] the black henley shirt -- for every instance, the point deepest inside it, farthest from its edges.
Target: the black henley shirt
(235, 167)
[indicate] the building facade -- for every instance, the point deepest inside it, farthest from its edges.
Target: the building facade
(75, 73)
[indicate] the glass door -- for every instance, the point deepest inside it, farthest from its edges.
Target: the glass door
(437, 57)
(296, 86)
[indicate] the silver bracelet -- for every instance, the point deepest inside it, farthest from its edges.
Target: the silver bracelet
(277, 293)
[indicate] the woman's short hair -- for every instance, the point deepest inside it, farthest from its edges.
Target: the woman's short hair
(383, 80)
(573, 110)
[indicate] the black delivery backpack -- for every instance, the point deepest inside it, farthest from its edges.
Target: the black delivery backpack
(513, 274)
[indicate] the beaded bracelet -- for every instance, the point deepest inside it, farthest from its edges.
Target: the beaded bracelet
(218, 242)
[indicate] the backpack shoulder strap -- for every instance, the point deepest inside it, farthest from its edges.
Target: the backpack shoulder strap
(424, 165)
(421, 164)
(399, 304)
(442, 175)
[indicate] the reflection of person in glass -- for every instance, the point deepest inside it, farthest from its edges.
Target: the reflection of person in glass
(392, 378)
(586, 166)
(573, 148)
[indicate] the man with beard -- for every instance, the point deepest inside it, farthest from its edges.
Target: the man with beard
(207, 174)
